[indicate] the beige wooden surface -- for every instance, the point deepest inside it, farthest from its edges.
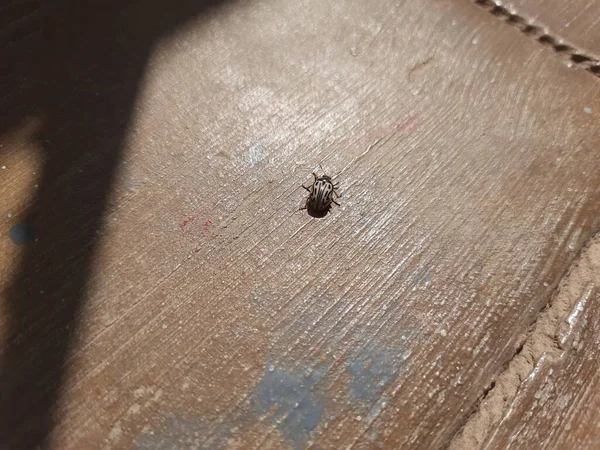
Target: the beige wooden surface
(175, 297)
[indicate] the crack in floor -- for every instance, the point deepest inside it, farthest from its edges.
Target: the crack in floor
(554, 333)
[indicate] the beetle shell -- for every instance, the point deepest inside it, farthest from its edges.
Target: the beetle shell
(322, 193)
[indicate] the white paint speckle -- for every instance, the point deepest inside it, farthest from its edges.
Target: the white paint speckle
(164, 325)
(116, 432)
(3, 167)
(587, 110)
(256, 154)
(139, 392)
(134, 409)
(475, 41)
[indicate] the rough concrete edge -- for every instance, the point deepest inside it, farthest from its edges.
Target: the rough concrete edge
(544, 335)
(575, 57)
(545, 339)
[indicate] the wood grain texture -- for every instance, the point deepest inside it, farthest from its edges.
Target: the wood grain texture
(176, 297)
(575, 21)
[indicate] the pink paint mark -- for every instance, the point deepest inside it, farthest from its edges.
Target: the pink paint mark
(407, 124)
(206, 225)
(186, 222)
(404, 126)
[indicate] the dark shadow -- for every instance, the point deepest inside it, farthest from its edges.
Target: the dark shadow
(77, 66)
(317, 213)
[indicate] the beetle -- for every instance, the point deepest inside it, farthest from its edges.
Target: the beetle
(322, 193)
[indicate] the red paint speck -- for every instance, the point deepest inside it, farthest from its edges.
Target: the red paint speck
(186, 222)
(404, 126)
(206, 225)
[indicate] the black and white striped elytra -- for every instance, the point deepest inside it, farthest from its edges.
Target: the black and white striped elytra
(322, 193)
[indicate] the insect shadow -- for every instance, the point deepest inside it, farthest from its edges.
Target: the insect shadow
(317, 214)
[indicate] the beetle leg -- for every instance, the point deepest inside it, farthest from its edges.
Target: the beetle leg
(335, 202)
(307, 188)
(337, 194)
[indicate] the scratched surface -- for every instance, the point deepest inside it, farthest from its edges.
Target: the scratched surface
(162, 290)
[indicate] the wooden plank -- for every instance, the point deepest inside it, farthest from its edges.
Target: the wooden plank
(575, 21)
(548, 396)
(208, 311)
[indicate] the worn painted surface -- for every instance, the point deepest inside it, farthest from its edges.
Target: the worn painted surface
(175, 297)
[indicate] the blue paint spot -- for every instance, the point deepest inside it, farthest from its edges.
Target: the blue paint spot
(421, 278)
(22, 233)
(427, 278)
(290, 398)
(372, 371)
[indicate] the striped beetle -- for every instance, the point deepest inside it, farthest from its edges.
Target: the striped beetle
(322, 193)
